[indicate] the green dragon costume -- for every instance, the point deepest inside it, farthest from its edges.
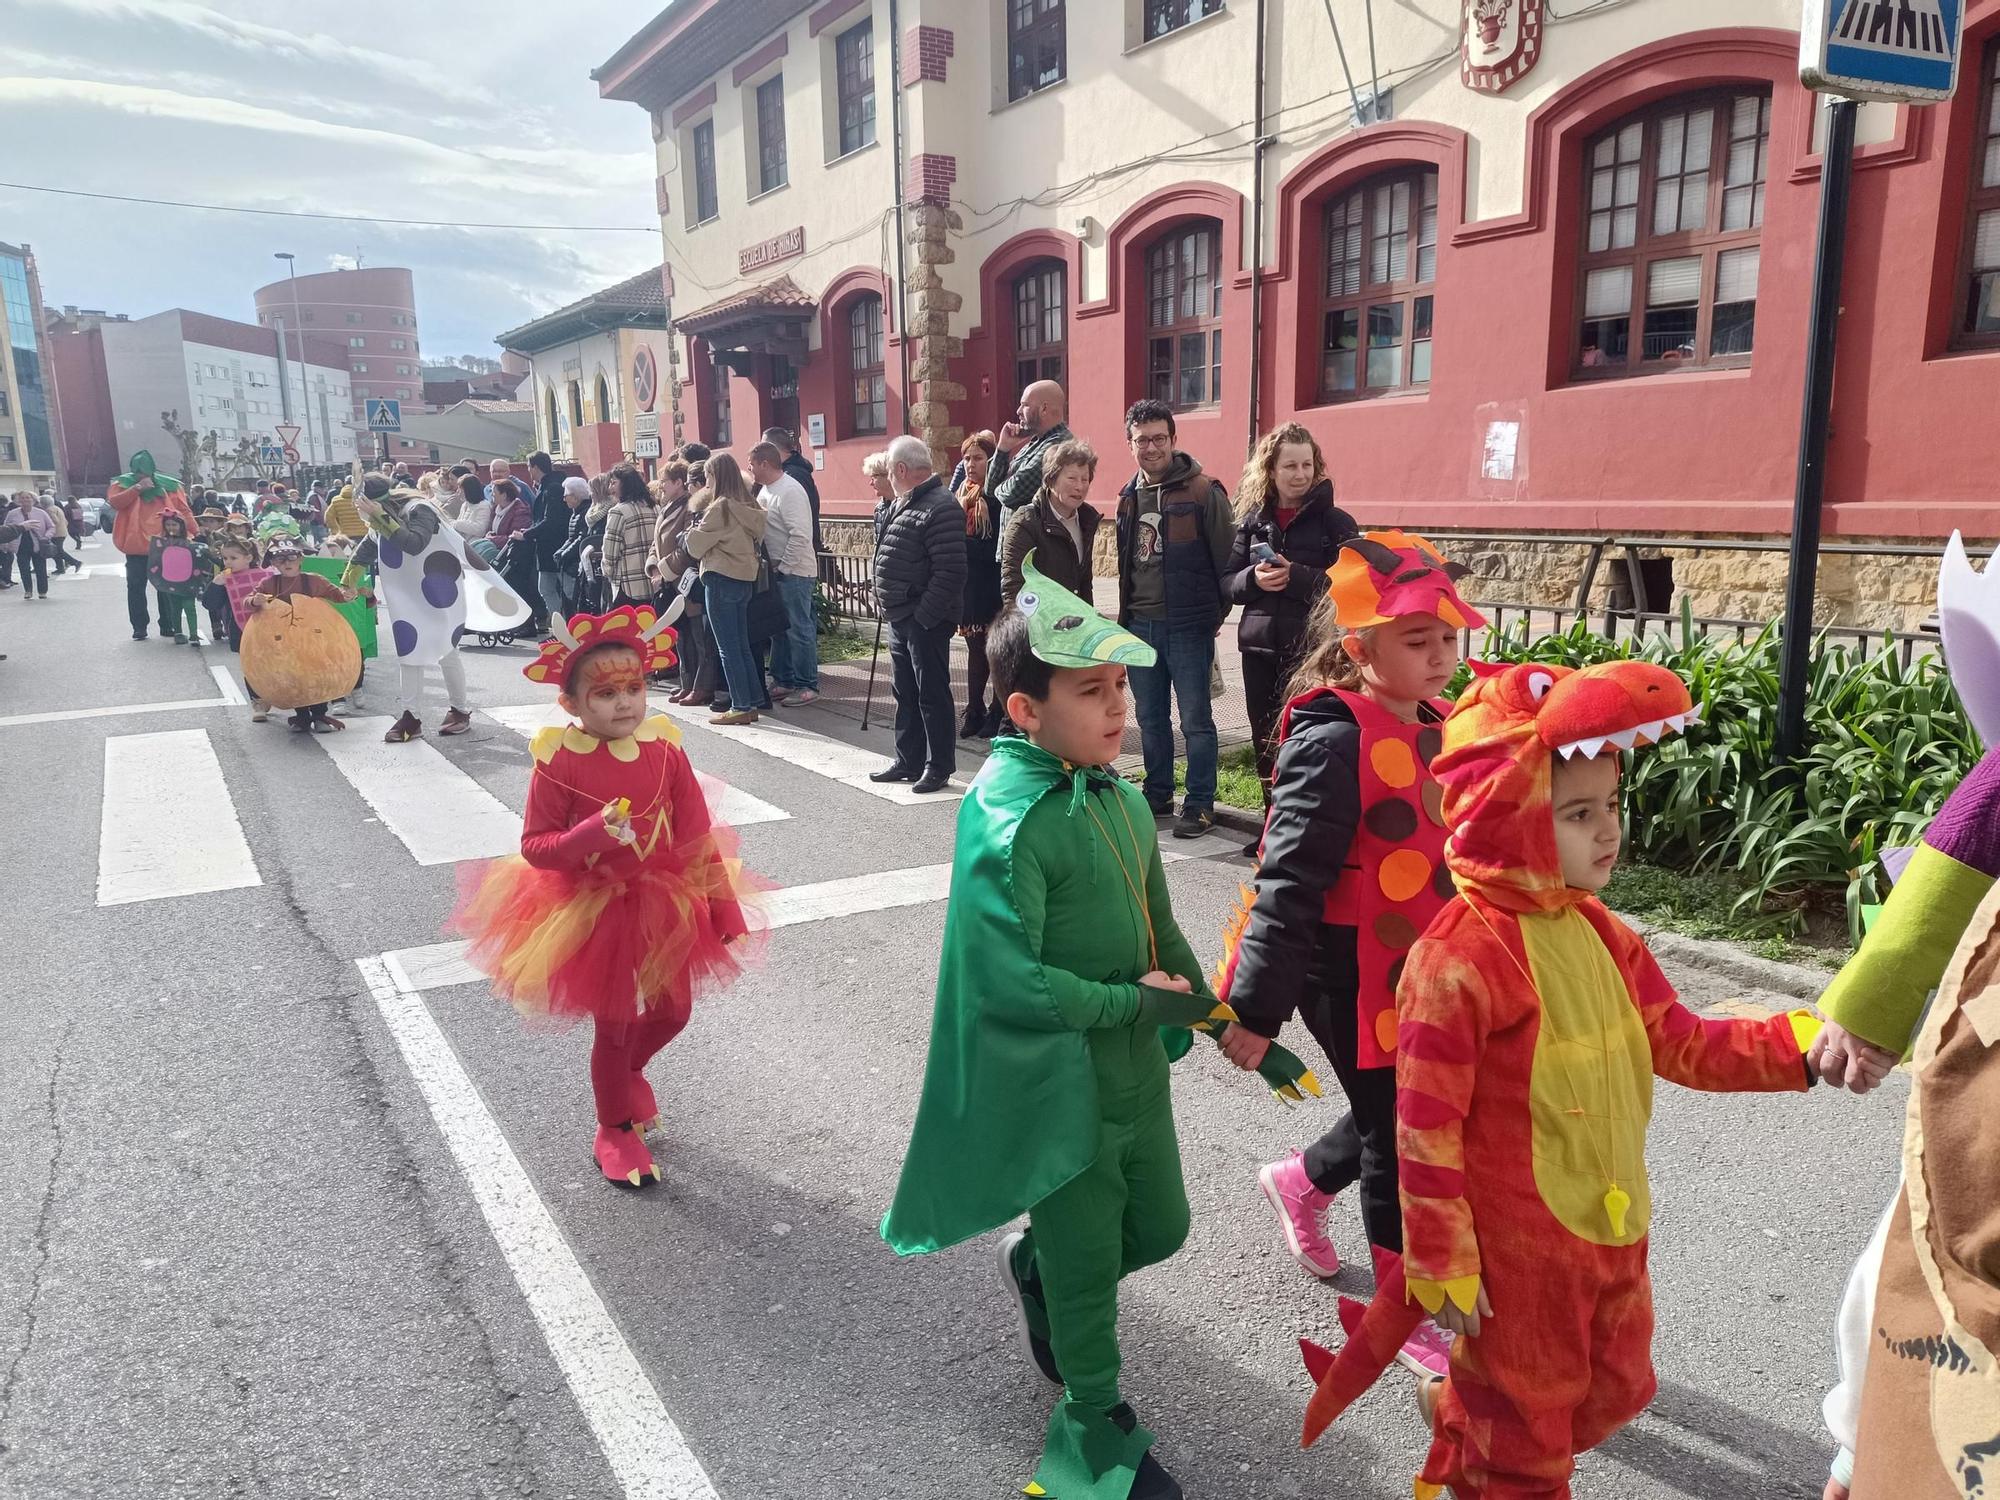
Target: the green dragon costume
(1046, 1090)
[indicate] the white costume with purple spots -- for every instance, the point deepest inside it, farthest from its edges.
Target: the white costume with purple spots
(437, 594)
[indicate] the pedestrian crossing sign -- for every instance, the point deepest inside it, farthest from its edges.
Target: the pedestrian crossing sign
(384, 414)
(1898, 51)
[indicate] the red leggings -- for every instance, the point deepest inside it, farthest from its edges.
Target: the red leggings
(620, 1051)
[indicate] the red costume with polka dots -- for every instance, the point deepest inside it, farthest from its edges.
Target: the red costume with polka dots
(1351, 872)
(619, 922)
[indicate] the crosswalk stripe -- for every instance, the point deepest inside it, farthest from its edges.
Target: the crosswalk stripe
(114, 711)
(440, 813)
(168, 825)
(821, 754)
(728, 804)
(226, 681)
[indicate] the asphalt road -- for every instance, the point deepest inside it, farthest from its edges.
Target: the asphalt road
(237, 1256)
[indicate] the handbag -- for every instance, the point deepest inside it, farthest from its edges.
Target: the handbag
(767, 618)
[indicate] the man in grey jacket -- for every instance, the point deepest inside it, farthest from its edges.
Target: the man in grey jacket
(920, 588)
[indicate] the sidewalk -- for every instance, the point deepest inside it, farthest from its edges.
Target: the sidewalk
(843, 688)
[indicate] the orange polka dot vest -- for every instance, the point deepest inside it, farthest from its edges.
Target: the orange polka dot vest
(1395, 880)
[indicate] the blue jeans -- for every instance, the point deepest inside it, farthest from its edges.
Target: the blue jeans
(1186, 657)
(795, 654)
(727, 601)
(558, 597)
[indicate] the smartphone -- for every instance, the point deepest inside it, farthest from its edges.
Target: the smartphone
(1264, 553)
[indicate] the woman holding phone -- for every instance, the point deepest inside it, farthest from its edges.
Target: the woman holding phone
(1288, 533)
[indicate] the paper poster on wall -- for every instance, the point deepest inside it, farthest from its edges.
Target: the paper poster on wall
(1503, 442)
(816, 429)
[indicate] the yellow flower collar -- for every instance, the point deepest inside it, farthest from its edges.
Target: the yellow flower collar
(579, 741)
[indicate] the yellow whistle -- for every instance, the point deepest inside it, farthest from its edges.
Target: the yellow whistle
(1616, 1202)
(624, 807)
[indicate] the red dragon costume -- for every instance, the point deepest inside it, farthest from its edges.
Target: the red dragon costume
(1533, 1023)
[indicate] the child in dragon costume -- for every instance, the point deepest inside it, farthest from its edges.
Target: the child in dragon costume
(1352, 872)
(625, 899)
(1046, 1088)
(1533, 1025)
(1918, 1412)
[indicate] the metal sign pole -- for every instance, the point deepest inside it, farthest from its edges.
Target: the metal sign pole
(1809, 496)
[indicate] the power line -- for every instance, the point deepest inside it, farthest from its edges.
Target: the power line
(300, 213)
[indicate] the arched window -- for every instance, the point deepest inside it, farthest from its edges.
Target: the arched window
(1184, 316)
(1041, 323)
(602, 394)
(1377, 307)
(1979, 326)
(869, 410)
(549, 406)
(576, 403)
(1672, 217)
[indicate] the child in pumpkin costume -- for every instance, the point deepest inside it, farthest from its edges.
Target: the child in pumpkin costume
(1533, 1023)
(286, 579)
(625, 899)
(1064, 991)
(1352, 871)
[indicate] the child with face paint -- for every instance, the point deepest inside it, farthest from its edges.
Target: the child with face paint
(625, 899)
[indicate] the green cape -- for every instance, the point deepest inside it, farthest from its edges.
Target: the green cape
(1009, 1111)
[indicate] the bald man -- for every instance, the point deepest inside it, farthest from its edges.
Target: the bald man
(1042, 421)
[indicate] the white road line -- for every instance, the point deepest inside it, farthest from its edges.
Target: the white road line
(438, 811)
(169, 827)
(226, 680)
(439, 966)
(732, 805)
(115, 711)
(821, 754)
(643, 1445)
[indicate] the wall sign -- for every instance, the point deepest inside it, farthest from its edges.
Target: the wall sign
(816, 429)
(1500, 41)
(769, 252)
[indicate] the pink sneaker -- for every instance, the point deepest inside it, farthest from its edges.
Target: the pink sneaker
(1427, 1354)
(1301, 1210)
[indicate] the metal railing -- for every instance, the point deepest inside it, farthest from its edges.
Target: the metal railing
(849, 585)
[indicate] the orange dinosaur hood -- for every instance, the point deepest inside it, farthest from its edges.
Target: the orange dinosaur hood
(1495, 770)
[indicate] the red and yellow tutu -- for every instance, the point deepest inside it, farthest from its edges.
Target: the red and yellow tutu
(584, 926)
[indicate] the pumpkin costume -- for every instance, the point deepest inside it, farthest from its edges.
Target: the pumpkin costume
(1046, 1089)
(1533, 1023)
(1919, 1412)
(623, 931)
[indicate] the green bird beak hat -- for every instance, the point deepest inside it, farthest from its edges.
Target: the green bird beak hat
(1066, 632)
(145, 477)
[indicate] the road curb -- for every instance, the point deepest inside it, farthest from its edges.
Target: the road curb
(1795, 981)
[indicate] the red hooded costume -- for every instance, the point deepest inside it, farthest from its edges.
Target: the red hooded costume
(1533, 1023)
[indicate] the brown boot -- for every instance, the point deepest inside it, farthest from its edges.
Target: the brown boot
(408, 727)
(456, 722)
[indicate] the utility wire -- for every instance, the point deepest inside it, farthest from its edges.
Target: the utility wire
(301, 213)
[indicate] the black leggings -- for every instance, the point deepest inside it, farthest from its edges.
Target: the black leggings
(1265, 677)
(1362, 1147)
(977, 674)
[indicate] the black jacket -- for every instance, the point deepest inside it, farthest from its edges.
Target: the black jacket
(799, 469)
(1038, 530)
(920, 558)
(551, 513)
(982, 565)
(1315, 805)
(1275, 624)
(1194, 542)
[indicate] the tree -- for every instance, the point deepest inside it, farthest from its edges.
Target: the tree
(189, 441)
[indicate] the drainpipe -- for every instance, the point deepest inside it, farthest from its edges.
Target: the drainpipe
(1258, 147)
(902, 233)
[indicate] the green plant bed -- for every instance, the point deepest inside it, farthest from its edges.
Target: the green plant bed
(1885, 745)
(1236, 781)
(1705, 905)
(842, 644)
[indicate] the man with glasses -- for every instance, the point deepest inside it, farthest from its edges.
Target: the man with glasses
(1174, 529)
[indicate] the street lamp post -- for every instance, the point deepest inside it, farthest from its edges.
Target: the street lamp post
(305, 384)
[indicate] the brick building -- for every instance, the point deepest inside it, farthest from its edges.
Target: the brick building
(372, 312)
(1536, 271)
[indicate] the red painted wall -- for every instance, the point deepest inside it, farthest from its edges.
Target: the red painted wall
(90, 454)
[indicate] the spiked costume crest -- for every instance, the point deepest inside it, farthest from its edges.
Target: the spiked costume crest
(652, 636)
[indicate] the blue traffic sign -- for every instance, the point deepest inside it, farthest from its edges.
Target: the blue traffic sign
(384, 414)
(1901, 51)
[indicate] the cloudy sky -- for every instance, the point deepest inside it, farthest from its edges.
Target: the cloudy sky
(453, 111)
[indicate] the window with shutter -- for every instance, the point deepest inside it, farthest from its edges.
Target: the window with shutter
(1979, 322)
(1184, 316)
(1673, 214)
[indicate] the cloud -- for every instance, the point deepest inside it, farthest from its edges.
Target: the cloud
(271, 42)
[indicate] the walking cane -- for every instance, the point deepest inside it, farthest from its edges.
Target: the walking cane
(868, 704)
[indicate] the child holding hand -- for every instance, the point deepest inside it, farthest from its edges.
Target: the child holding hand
(1352, 872)
(625, 899)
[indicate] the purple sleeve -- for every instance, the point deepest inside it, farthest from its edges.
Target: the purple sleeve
(1967, 827)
